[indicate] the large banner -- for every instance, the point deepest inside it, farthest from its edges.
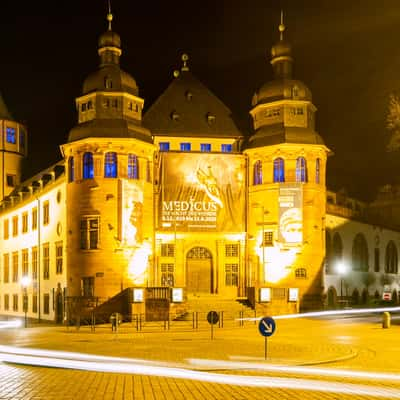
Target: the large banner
(290, 214)
(201, 191)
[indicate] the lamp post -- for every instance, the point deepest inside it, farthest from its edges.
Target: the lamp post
(341, 268)
(25, 282)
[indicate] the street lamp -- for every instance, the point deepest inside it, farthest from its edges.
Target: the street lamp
(341, 268)
(25, 282)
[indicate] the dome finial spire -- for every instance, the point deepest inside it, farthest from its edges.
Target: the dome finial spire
(185, 59)
(109, 15)
(281, 27)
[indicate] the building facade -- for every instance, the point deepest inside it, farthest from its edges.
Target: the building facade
(179, 205)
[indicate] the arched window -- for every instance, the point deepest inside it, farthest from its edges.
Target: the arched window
(337, 252)
(257, 178)
(318, 170)
(71, 171)
(88, 166)
(391, 258)
(110, 165)
(133, 167)
(328, 253)
(279, 170)
(301, 170)
(360, 253)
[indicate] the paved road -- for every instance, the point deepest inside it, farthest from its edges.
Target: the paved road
(328, 345)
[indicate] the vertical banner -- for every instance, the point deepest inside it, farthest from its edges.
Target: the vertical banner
(202, 192)
(137, 249)
(290, 215)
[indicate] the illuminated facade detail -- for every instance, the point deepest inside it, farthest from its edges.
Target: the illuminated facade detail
(88, 169)
(133, 167)
(257, 173)
(110, 165)
(279, 170)
(71, 169)
(318, 171)
(193, 204)
(301, 170)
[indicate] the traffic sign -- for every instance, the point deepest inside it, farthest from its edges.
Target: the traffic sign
(267, 326)
(212, 317)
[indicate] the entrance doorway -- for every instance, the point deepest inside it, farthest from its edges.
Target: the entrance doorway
(199, 271)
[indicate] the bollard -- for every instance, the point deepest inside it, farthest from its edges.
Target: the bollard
(386, 320)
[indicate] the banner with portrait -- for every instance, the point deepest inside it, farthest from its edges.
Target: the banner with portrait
(201, 192)
(290, 214)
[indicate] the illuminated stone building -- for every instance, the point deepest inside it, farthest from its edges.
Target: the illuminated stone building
(180, 208)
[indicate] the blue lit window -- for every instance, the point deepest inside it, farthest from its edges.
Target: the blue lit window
(205, 147)
(133, 167)
(164, 146)
(185, 146)
(317, 170)
(279, 170)
(11, 135)
(88, 166)
(226, 148)
(301, 170)
(71, 171)
(110, 165)
(257, 178)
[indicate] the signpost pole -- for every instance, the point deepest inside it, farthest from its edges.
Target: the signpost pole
(265, 348)
(212, 331)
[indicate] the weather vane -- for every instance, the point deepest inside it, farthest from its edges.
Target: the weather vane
(282, 26)
(109, 15)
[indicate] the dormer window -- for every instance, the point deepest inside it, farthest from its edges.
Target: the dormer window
(210, 118)
(83, 107)
(188, 95)
(89, 105)
(108, 83)
(295, 92)
(174, 116)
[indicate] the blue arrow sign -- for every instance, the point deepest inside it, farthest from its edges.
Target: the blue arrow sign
(267, 326)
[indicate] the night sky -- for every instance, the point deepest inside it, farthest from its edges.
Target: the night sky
(347, 52)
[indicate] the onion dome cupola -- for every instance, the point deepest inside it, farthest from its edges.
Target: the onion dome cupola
(14, 149)
(282, 108)
(188, 108)
(110, 105)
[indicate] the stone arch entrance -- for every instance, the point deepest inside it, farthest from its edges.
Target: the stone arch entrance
(199, 270)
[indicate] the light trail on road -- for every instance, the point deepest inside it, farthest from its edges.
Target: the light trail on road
(87, 362)
(342, 373)
(327, 313)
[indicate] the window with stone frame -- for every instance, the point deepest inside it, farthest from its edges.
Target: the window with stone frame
(15, 266)
(15, 225)
(90, 232)
(232, 274)
(46, 212)
(34, 260)
(24, 222)
(46, 303)
(6, 229)
(232, 250)
(167, 274)
(25, 262)
(167, 250)
(6, 302)
(6, 268)
(46, 260)
(59, 257)
(15, 302)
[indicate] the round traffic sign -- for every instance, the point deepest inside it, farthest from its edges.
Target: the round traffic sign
(212, 317)
(267, 326)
